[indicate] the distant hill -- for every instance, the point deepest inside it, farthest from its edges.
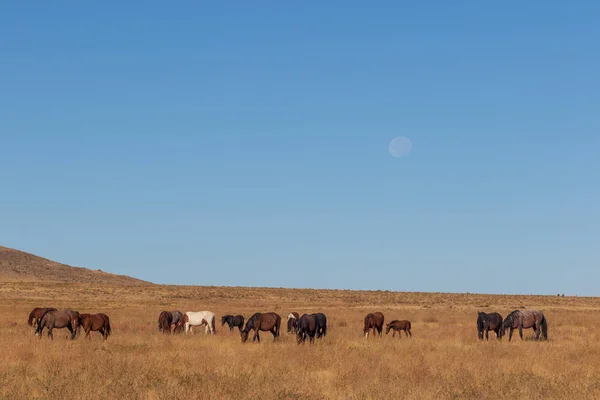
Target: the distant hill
(18, 266)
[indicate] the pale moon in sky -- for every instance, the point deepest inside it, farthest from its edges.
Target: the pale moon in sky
(400, 146)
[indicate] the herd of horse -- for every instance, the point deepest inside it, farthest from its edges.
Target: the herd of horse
(52, 318)
(518, 319)
(308, 326)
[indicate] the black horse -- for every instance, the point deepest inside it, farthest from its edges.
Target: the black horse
(233, 321)
(321, 324)
(489, 322)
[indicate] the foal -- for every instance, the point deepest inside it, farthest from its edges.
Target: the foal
(398, 326)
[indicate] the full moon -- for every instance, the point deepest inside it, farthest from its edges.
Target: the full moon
(400, 146)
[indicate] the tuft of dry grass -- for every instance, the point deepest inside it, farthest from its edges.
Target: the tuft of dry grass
(443, 360)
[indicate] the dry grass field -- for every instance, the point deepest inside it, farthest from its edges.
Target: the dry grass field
(443, 360)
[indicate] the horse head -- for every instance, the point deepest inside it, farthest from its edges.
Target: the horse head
(244, 336)
(223, 319)
(388, 327)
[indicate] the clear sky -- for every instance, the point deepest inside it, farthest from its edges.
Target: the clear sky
(243, 143)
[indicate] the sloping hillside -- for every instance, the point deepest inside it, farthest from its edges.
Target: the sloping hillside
(16, 265)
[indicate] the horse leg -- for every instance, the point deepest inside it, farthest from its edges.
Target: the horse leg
(257, 337)
(487, 331)
(50, 335)
(510, 333)
(521, 331)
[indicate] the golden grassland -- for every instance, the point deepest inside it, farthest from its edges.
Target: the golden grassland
(443, 360)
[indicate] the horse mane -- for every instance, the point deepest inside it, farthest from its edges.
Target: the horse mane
(44, 315)
(510, 318)
(31, 317)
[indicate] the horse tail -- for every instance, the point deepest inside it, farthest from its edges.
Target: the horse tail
(212, 323)
(107, 325)
(544, 326)
(30, 319)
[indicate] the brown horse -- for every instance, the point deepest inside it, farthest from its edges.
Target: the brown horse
(58, 319)
(525, 319)
(262, 322)
(373, 321)
(36, 314)
(165, 319)
(95, 322)
(398, 326)
(292, 322)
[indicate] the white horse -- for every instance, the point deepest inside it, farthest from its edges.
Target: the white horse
(199, 318)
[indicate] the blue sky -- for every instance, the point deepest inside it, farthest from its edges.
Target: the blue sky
(247, 144)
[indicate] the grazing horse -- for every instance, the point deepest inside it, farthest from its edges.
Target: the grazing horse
(58, 319)
(321, 324)
(525, 319)
(233, 321)
(398, 326)
(373, 321)
(488, 322)
(292, 322)
(95, 322)
(165, 319)
(307, 326)
(199, 318)
(269, 321)
(177, 316)
(36, 315)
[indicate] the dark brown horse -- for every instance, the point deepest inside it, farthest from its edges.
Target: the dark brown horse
(292, 322)
(487, 323)
(306, 326)
(525, 319)
(95, 322)
(58, 319)
(321, 325)
(36, 315)
(270, 322)
(398, 326)
(373, 321)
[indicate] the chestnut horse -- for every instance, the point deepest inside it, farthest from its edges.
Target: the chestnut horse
(398, 326)
(269, 321)
(58, 319)
(165, 319)
(373, 321)
(36, 315)
(95, 322)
